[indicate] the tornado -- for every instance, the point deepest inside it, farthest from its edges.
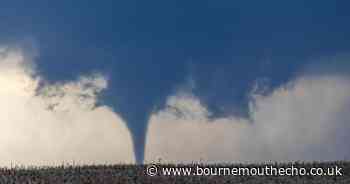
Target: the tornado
(138, 90)
(137, 124)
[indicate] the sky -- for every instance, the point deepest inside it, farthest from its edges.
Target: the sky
(154, 71)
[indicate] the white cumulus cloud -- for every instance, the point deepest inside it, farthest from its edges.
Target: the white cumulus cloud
(45, 124)
(307, 119)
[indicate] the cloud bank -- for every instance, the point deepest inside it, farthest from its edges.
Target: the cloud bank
(307, 119)
(47, 124)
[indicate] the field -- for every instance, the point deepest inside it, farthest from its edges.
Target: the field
(138, 174)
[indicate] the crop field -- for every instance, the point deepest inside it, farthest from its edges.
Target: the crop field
(139, 174)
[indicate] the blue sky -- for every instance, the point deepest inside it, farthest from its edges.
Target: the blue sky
(150, 48)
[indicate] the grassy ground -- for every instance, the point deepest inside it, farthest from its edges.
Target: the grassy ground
(138, 174)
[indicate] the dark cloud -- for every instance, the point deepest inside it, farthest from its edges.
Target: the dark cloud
(149, 48)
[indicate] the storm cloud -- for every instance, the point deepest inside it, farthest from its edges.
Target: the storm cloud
(49, 123)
